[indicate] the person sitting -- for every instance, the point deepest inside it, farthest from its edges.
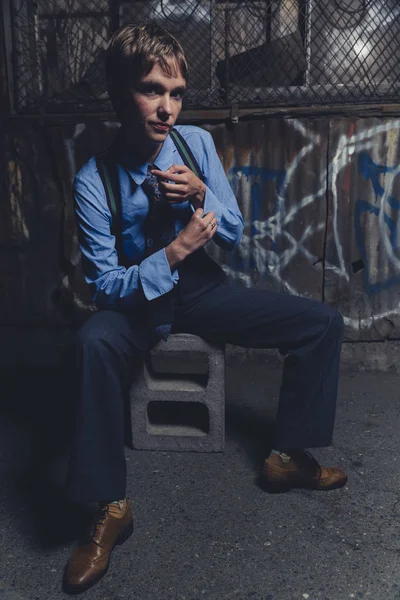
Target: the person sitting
(150, 275)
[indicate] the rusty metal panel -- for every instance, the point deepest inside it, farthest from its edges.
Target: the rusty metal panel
(362, 270)
(30, 216)
(277, 169)
(283, 171)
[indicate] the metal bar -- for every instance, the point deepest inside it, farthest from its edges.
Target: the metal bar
(37, 67)
(212, 42)
(74, 15)
(5, 8)
(308, 41)
(16, 41)
(208, 116)
(327, 215)
(227, 20)
(114, 8)
(187, 116)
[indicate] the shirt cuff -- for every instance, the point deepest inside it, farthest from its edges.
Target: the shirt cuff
(156, 276)
(210, 203)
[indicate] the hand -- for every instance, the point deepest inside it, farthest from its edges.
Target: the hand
(195, 235)
(186, 186)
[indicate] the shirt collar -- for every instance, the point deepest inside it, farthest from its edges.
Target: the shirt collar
(138, 172)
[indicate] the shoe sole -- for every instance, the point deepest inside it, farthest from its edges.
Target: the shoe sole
(73, 590)
(281, 488)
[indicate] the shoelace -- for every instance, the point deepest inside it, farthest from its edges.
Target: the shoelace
(306, 460)
(98, 520)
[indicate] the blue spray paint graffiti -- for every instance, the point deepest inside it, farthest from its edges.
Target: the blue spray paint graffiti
(262, 173)
(258, 176)
(372, 172)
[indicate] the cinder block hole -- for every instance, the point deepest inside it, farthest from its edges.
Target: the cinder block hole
(178, 418)
(188, 378)
(182, 363)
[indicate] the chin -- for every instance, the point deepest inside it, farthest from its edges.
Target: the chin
(158, 137)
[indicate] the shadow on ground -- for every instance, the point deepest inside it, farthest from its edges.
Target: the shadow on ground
(37, 415)
(203, 529)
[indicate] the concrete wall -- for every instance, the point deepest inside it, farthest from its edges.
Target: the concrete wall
(320, 198)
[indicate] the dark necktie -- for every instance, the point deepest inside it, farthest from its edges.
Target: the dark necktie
(159, 231)
(160, 224)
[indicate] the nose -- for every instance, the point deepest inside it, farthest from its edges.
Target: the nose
(165, 107)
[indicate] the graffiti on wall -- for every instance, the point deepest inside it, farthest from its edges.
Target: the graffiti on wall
(269, 240)
(385, 208)
(320, 200)
(354, 202)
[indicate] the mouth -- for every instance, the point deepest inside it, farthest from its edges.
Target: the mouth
(161, 127)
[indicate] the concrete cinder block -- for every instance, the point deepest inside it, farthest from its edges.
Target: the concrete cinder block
(178, 397)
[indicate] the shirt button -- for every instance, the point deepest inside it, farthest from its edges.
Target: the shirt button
(149, 242)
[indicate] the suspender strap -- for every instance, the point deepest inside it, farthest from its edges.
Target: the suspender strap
(186, 153)
(108, 171)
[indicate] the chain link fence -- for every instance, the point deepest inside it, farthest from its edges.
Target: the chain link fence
(252, 52)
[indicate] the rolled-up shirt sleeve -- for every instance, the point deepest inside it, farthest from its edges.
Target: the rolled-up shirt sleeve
(113, 285)
(220, 198)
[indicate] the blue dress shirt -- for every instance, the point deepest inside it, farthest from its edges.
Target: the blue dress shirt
(114, 286)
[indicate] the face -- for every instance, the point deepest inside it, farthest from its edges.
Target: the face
(153, 106)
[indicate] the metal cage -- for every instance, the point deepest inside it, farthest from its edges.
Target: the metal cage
(247, 52)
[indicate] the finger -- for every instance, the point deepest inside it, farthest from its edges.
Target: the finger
(213, 224)
(161, 174)
(205, 224)
(178, 169)
(175, 188)
(210, 231)
(165, 177)
(200, 219)
(198, 213)
(172, 198)
(208, 218)
(174, 169)
(180, 197)
(213, 230)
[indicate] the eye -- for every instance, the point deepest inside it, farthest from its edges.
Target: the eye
(178, 94)
(151, 91)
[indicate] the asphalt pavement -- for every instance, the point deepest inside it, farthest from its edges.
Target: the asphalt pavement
(203, 529)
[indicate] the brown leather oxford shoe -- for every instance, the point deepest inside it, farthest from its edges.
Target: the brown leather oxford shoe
(282, 473)
(112, 525)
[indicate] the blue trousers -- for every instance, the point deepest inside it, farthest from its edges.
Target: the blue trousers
(110, 343)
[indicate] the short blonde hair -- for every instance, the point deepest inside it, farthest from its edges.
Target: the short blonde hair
(133, 51)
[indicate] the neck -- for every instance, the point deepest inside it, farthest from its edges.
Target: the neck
(143, 150)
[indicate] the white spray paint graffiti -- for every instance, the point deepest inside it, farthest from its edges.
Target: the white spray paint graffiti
(273, 263)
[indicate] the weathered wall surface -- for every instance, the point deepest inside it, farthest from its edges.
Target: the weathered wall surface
(362, 274)
(320, 198)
